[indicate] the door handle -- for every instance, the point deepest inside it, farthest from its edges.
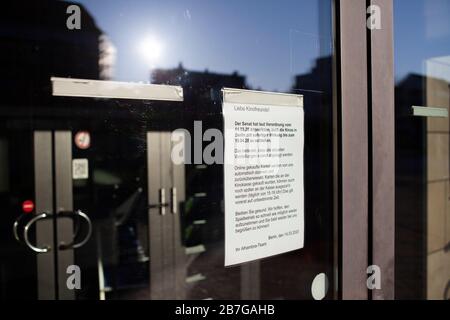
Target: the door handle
(162, 202)
(16, 227)
(73, 244)
(173, 202)
(44, 249)
(43, 216)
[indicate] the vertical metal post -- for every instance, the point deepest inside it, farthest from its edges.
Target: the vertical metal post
(43, 168)
(353, 100)
(177, 200)
(250, 280)
(64, 202)
(165, 170)
(383, 150)
(155, 219)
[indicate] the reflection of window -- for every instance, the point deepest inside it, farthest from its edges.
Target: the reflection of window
(104, 177)
(437, 94)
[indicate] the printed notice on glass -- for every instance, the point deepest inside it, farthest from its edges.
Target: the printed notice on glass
(263, 174)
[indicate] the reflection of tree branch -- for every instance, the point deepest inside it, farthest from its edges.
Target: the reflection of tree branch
(124, 211)
(447, 247)
(447, 291)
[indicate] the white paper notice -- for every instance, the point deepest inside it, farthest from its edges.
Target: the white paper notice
(80, 169)
(264, 211)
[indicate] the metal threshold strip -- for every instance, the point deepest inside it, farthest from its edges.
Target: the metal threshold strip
(69, 87)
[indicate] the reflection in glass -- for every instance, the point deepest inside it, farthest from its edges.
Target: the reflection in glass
(202, 46)
(422, 150)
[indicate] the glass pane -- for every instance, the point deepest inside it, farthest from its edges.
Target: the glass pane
(122, 147)
(422, 70)
(18, 268)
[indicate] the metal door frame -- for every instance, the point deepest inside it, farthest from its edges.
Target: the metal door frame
(63, 202)
(43, 180)
(54, 193)
(166, 194)
(53, 185)
(364, 148)
(363, 151)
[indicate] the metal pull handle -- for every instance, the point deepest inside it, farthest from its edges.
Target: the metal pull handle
(44, 249)
(162, 202)
(73, 245)
(174, 204)
(16, 227)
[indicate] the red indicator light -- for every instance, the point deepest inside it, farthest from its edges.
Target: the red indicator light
(28, 206)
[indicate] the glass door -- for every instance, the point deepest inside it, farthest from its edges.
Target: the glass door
(422, 101)
(124, 179)
(123, 219)
(24, 276)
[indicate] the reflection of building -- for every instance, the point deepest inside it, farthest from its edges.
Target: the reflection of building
(317, 80)
(107, 57)
(34, 35)
(35, 45)
(201, 89)
(422, 189)
(197, 80)
(315, 87)
(410, 210)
